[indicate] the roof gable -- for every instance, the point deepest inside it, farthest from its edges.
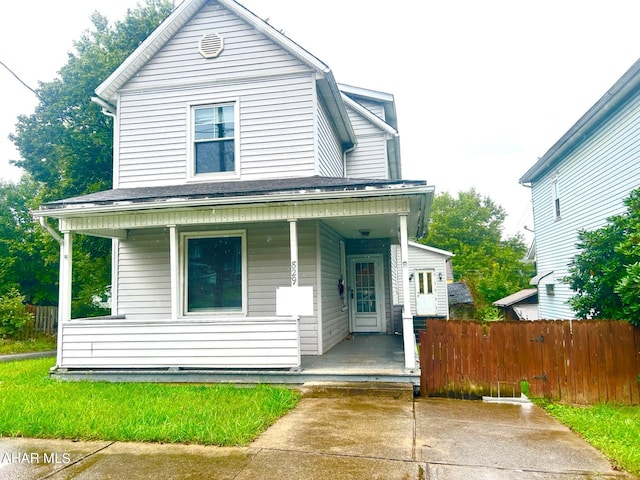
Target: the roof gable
(385, 121)
(183, 14)
(242, 52)
(595, 116)
(427, 248)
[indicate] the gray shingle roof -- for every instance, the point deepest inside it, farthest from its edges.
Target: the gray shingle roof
(459, 294)
(242, 188)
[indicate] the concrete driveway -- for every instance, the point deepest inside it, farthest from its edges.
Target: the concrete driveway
(352, 437)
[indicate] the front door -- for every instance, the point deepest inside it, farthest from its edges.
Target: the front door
(366, 293)
(425, 293)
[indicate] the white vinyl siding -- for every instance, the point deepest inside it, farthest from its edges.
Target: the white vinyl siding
(144, 289)
(330, 162)
(369, 159)
(275, 93)
(144, 285)
(113, 343)
(422, 260)
(595, 179)
(276, 131)
(269, 259)
(335, 320)
(247, 53)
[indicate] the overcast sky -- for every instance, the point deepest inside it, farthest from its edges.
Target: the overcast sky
(482, 88)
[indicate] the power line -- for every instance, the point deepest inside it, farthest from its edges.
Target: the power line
(20, 80)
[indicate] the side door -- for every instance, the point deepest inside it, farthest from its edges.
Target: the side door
(426, 303)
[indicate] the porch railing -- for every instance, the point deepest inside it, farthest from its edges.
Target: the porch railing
(264, 342)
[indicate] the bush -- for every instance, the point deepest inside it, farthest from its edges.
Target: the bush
(14, 316)
(490, 313)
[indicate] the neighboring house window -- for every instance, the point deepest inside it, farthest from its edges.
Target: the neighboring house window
(214, 139)
(425, 282)
(555, 192)
(215, 272)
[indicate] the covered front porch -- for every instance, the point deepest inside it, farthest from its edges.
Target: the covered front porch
(245, 280)
(359, 358)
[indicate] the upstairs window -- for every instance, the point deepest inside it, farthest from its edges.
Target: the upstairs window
(214, 139)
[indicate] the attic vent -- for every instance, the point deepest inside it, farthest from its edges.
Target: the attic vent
(211, 44)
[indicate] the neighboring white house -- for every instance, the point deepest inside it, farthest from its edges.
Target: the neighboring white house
(428, 295)
(254, 204)
(580, 182)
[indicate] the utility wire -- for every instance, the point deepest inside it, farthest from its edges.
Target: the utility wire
(20, 80)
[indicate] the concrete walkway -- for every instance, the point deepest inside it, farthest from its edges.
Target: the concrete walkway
(352, 437)
(25, 356)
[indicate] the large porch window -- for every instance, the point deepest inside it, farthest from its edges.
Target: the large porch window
(215, 274)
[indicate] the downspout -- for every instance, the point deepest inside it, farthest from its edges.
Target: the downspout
(107, 109)
(52, 232)
(344, 158)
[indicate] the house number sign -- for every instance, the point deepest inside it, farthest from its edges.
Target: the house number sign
(294, 273)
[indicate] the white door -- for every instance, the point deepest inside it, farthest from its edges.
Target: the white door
(366, 293)
(425, 293)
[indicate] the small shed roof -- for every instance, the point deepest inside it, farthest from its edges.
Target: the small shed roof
(459, 294)
(515, 298)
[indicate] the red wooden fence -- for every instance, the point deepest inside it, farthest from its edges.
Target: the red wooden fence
(582, 362)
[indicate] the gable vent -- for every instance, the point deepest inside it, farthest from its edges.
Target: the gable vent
(211, 44)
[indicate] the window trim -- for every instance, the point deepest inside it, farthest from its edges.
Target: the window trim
(184, 260)
(555, 196)
(191, 154)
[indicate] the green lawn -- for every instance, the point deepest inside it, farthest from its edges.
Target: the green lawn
(614, 430)
(33, 405)
(40, 343)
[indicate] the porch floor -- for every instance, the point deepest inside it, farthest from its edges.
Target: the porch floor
(359, 358)
(360, 354)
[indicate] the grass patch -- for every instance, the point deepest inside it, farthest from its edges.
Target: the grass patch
(34, 405)
(614, 430)
(41, 343)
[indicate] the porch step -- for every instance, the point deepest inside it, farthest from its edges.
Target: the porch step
(398, 391)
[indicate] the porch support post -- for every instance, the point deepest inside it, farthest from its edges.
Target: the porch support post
(293, 240)
(173, 261)
(408, 336)
(64, 289)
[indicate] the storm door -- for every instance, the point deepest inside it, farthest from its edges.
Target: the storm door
(366, 293)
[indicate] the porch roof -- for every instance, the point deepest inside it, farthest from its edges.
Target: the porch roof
(331, 198)
(305, 187)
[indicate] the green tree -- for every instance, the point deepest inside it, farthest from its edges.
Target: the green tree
(66, 144)
(471, 227)
(28, 256)
(605, 274)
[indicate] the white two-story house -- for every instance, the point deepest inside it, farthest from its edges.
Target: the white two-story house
(254, 204)
(581, 181)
